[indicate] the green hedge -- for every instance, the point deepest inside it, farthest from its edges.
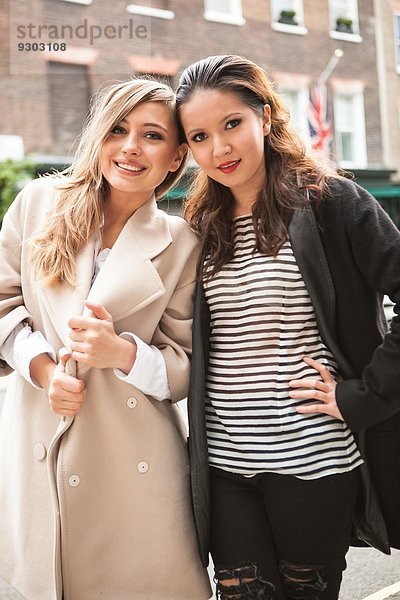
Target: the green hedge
(13, 175)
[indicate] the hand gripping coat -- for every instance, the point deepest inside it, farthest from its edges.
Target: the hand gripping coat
(98, 506)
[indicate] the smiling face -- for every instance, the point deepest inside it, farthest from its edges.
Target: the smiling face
(139, 152)
(226, 137)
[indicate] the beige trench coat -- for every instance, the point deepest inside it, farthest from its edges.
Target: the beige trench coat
(98, 506)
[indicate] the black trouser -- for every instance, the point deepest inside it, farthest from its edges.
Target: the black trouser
(280, 530)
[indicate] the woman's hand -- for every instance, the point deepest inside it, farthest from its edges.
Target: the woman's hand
(315, 389)
(66, 393)
(94, 342)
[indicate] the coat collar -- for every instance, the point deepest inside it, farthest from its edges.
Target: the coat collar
(127, 282)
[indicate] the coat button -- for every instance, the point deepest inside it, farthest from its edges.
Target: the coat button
(143, 467)
(131, 402)
(39, 451)
(74, 480)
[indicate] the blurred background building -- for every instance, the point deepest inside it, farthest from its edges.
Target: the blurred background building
(347, 51)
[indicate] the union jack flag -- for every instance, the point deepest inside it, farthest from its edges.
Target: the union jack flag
(320, 128)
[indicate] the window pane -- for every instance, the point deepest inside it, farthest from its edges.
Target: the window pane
(67, 111)
(397, 37)
(153, 3)
(341, 8)
(345, 111)
(222, 6)
(291, 99)
(347, 152)
(397, 26)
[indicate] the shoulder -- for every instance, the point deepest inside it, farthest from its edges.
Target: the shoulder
(181, 231)
(33, 203)
(345, 197)
(345, 190)
(41, 191)
(349, 207)
(40, 186)
(184, 249)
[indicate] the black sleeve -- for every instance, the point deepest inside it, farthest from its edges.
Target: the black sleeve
(375, 244)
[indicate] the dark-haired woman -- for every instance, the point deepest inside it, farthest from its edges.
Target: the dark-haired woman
(291, 354)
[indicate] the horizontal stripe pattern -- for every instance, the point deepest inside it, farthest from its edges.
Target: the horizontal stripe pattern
(262, 325)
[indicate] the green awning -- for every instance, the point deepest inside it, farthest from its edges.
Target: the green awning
(384, 192)
(177, 192)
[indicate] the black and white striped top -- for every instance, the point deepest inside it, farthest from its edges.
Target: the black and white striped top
(262, 325)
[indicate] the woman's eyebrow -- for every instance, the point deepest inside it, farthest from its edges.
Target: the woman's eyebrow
(155, 125)
(228, 116)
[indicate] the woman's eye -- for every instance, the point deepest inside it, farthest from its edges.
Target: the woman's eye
(153, 135)
(118, 129)
(198, 137)
(232, 124)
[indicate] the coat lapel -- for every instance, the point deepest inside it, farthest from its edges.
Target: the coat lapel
(128, 280)
(63, 302)
(311, 260)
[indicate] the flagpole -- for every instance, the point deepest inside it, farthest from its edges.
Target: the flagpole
(321, 135)
(333, 61)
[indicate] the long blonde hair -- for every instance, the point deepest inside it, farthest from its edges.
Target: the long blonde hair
(77, 212)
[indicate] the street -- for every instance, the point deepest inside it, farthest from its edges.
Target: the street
(368, 572)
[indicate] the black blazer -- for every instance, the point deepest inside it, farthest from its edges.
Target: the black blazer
(348, 252)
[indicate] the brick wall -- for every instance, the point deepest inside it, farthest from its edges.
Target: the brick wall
(27, 108)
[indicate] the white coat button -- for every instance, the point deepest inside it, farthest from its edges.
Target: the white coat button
(131, 402)
(143, 467)
(74, 480)
(39, 451)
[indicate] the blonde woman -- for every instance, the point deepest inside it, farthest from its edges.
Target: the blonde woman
(96, 293)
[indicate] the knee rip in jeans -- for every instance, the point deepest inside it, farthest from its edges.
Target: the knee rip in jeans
(243, 582)
(302, 582)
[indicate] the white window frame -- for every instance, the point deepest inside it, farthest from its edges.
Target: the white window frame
(11, 147)
(149, 11)
(296, 5)
(79, 1)
(233, 17)
(303, 98)
(396, 34)
(351, 12)
(360, 160)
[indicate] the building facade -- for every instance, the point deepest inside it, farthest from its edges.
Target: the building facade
(44, 94)
(387, 18)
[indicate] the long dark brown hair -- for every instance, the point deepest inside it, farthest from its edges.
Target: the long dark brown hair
(292, 177)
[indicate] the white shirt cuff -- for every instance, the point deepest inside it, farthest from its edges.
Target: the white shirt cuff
(149, 373)
(21, 346)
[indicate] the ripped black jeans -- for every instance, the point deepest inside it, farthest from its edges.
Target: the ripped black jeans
(277, 537)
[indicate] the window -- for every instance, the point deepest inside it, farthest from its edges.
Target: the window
(397, 39)
(350, 137)
(224, 11)
(79, 1)
(164, 69)
(343, 15)
(67, 111)
(296, 101)
(288, 16)
(151, 8)
(11, 147)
